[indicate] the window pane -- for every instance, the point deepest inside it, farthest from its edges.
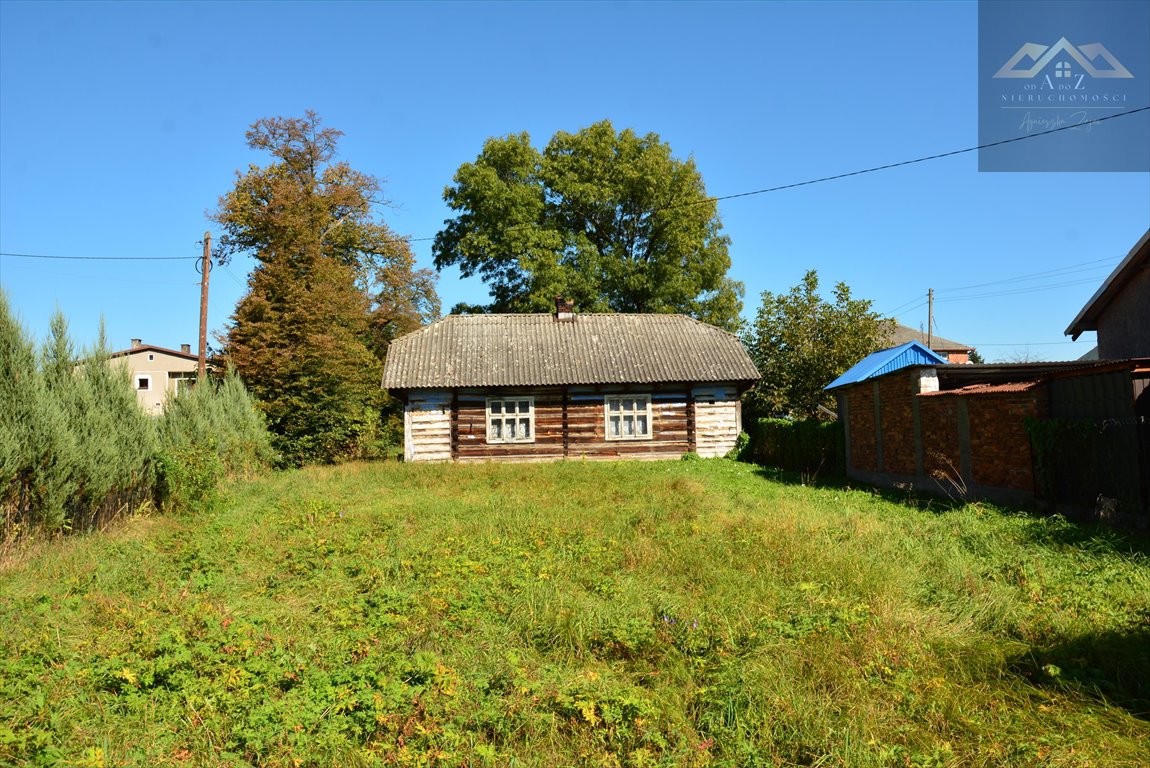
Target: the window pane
(511, 429)
(524, 406)
(614, 426)
(628, 425)
(496, 429)
(641, 427)
(496, 407)
(525, 427)
(613, 404)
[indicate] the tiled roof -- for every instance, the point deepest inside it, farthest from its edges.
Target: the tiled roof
(537, 350)
(902, 334)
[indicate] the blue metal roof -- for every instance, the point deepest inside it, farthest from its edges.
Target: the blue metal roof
(887, 360)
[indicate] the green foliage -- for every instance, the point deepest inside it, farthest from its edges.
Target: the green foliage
(623, 614)
(77, 451)
(608, 219)
(332, 288)
(809, 446)
(801, 342)
(208, 434)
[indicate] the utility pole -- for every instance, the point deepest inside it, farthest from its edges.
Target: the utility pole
(205, 269)
(929, 319)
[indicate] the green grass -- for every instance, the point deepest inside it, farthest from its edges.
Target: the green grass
(694, 613)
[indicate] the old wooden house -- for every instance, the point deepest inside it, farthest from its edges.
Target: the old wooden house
(564, 385)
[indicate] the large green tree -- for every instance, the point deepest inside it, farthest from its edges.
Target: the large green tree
(332, 287)
(801, 342)
(609, 219)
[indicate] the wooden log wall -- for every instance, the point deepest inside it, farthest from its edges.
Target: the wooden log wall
(427, 426)
(570, 423)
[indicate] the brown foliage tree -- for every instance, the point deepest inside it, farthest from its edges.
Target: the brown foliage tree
(332, 288)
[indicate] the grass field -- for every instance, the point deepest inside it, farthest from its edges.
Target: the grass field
(693, 613)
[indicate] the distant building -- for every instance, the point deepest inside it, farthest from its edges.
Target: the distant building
(158, 373)
(953, 351)
(1120, 309)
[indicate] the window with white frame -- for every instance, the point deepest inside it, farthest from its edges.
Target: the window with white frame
(511, 420)
(628, 417)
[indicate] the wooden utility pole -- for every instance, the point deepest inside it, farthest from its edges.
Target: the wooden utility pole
(929, 318)
(205, 270)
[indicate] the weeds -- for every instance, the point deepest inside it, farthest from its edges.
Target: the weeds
(631, 614)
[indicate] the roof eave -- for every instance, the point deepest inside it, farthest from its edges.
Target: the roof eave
(1087, 318)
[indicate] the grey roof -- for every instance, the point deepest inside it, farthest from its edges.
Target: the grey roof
(902, 334)
(537, 350)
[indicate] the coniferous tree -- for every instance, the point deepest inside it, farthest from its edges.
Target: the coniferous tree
(332, 287)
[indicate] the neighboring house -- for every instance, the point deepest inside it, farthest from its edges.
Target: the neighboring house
(1120, 309)
(953, 351)
(567, 385)
(158, 373)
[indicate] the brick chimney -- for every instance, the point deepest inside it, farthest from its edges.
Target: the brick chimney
(186, 349)
(136, 343)
(564, 310)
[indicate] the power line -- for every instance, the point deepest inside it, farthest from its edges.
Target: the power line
(1015, 292)
(96, 258)
(912, 162)
(1060, 271)
(716, 198)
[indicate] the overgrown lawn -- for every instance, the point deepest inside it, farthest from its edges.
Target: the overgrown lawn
(671, 613)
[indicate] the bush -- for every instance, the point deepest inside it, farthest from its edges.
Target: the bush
(77, 451)
(802, 446)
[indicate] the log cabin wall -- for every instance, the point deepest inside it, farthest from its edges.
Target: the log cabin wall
(427, 426)
(718, 419)
(571, 422)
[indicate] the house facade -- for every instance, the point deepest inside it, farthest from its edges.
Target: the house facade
(1120, 309)
(157, 372)
(533, 387)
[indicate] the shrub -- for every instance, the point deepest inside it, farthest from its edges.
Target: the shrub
(802, 446)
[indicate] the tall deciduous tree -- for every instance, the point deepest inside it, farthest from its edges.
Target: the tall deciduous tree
(801, 342)
(609, 219)
(332, 287)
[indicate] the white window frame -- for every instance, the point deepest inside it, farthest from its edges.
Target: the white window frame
(497, 412)
(183, 381)
(143, 377)
(623, 413)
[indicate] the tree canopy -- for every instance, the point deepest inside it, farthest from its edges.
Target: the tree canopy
(333, 286)
(801, 342)
(611, 220)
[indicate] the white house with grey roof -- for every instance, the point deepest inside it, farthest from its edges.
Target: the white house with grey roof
(564, 385)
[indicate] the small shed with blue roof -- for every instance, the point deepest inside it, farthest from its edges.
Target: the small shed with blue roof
(887, 360)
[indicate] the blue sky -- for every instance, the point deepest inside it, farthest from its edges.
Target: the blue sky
(122, 124)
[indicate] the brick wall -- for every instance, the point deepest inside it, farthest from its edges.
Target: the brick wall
(941, 452)
(1000, 454)
(978, 438)
(897, 413)
(864, 447)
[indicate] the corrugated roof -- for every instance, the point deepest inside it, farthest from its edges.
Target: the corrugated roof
(902, 334)
(887, 360)
(985, 389)
(536, 350)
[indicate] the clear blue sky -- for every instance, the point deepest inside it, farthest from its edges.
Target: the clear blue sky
(122, 123)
